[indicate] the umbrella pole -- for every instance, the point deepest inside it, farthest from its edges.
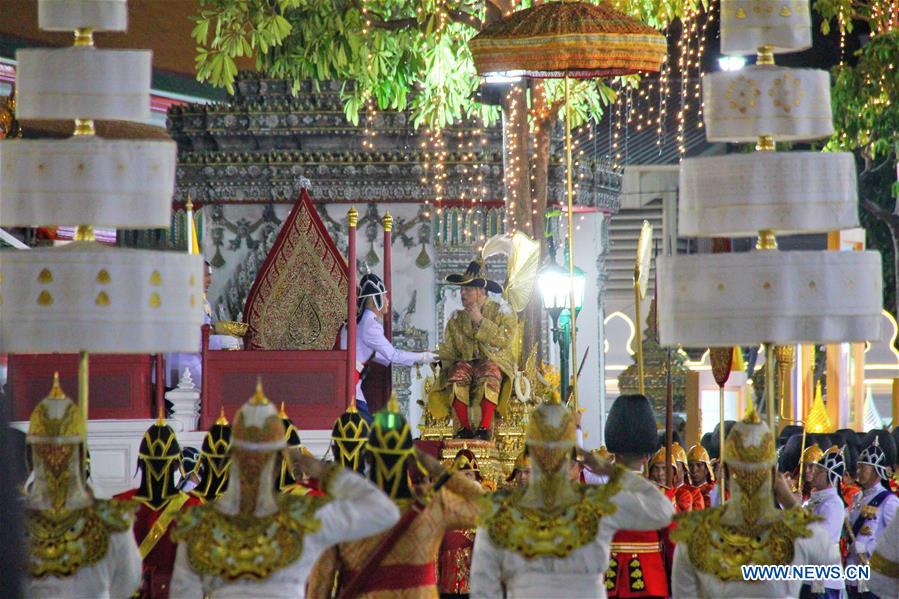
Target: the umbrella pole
(721, 444)
(573, 311)
(83, 373)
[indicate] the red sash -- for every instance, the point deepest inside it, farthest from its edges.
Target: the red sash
(398, 577)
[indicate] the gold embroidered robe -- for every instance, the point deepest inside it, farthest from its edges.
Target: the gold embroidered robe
(408, 570)
(496, 339)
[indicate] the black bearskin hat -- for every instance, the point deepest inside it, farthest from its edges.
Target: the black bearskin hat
(663, 439)
(787, 432)
(631, 426)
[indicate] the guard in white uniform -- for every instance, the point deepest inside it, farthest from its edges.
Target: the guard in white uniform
(713, 544)
(371, 343)
(551, 537)
(78, 546)
(875, 507)
(252, 542)
(824, 470)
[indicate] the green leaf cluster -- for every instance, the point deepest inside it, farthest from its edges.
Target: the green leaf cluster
(398, 54)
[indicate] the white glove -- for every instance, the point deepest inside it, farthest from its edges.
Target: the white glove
(427, 357)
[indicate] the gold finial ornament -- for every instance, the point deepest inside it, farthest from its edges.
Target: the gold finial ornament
(189, 205)
(84, 37)
(352, 217)
(84, 233)
(56, 391)
(388, 222)
(766, 143)
(765, 55)
(221, 419)
(258, 398)
(766, 240)
(392, 404)
(282, 413)
(84, 127)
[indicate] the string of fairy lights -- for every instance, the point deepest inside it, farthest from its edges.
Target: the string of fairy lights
(634, 109)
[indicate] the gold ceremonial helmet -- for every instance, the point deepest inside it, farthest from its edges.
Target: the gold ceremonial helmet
(699, 454)
(56, 419)
(551, 436)
(679, 454)
(750, 444)
(812, 454)
(551, 424)
(257, 426)
(660, 458)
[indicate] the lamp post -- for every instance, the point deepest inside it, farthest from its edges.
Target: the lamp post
(555, 285)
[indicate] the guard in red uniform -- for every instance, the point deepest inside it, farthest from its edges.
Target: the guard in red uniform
(684, 497)
(159, 502)
(701, 472)
(637, 563)
(454, 559)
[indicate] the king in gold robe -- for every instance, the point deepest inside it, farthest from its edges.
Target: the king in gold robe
(478, 355)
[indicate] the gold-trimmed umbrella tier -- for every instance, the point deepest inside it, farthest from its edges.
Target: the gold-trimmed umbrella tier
(573, 39)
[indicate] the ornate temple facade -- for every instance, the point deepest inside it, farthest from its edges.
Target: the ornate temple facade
(244, 162)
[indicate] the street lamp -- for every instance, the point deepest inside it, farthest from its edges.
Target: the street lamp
(555, 288)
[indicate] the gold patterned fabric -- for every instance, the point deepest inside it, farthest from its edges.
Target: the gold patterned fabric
(884, 566)
(577, 38)
(247, 547)
(536, 533)
(298, 300)
(496, 339)
(62, 542)
(720, 550)
(454, 506)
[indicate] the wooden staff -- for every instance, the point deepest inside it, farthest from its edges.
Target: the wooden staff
(388, 283)
(352, 221)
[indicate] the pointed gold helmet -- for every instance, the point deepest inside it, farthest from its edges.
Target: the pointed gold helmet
(56, 419)
(257, 426)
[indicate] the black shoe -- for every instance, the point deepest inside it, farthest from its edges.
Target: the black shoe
(482, 433)
(464, 433)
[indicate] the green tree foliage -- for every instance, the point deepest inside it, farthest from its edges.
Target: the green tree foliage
(865, 102)
(403, 54)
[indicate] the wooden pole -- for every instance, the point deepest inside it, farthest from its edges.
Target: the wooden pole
(83, 385)
(352, 221)
(388, 283)
(388, 274)
(669, 423)
(573, 320)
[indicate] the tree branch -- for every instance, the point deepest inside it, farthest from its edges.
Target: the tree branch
(873, 169)
(879, 212)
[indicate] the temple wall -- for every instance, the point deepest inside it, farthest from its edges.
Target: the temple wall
(418, 265)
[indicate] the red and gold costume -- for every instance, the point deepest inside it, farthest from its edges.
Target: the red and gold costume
(159, 503)
(454, 561)
(408, 570)
(686, 498)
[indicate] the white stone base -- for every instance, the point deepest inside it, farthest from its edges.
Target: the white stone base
(114, 446)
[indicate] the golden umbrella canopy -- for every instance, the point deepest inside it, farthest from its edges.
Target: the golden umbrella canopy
(573, 39)
(568, 39)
